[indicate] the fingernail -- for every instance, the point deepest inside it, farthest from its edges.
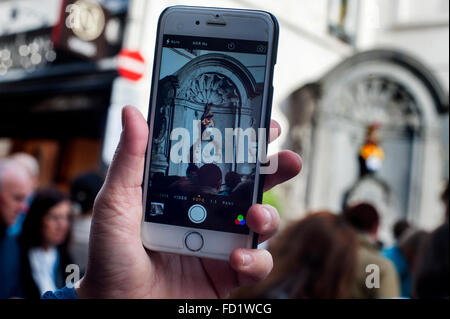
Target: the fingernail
(246, 260)
(123, 119)
(268, 217)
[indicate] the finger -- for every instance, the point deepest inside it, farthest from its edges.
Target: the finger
(127, 167)
(275, 131)
(289, 166)
(251, 265)
(263, 220)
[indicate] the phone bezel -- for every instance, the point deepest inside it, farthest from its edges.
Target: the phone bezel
(155, 235)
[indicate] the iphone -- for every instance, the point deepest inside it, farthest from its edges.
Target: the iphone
(209, 116)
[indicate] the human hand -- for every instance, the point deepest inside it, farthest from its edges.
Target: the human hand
(120, 267)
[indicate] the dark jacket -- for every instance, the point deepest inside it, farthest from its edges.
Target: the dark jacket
(9, 266)
(30, 289)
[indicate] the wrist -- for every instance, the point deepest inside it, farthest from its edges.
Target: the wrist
(81, 289)
(92, 289)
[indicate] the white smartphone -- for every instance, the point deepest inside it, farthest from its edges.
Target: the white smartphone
(211, 98)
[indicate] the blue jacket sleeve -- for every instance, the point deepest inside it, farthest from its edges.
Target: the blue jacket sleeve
(63, 293)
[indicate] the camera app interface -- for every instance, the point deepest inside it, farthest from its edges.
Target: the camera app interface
(205, 133)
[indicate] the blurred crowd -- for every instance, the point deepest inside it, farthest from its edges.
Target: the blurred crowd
(207, 179)
(42, 229)
(339, 256)
(325, 255)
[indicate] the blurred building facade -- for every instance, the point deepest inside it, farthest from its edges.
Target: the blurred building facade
(397, 79)
(56, 80)
(343, 66)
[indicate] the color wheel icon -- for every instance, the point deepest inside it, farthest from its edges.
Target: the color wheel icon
(240, 220)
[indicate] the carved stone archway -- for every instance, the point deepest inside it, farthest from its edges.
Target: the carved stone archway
(212, 79)
(328, 123)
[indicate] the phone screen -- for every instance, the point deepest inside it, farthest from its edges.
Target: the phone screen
(207, 120)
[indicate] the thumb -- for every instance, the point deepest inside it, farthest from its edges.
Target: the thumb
(127, 168)
(118, 211)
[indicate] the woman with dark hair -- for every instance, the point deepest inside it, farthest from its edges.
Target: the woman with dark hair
(314, 258)
(44, 239)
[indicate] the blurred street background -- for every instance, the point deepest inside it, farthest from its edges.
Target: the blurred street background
(361, 93)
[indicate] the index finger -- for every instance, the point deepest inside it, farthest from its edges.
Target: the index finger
(275, 131)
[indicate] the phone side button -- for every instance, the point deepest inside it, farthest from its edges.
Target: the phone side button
(193, 241)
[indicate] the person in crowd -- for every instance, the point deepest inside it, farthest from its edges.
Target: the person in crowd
(157, 180)
(314, 258)
(404, 255)
(120, 267)
(15, 186)
(31, 165)
(430, 277)
(187, 184)
(243, 191)
(83, 190)
(399, 228)
(192, 173)
(210, 179)
(232, 179)
(395, 255)
(43, 241)
(366, 220)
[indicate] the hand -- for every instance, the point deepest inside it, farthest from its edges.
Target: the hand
(120, 267)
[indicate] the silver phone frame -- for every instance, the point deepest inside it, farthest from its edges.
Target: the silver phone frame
(161, 231)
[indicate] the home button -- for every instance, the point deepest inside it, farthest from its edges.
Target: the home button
(194, 241)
